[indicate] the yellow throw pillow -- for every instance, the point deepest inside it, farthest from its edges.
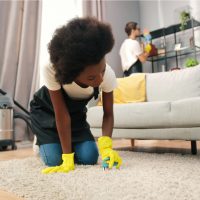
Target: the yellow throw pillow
(130, 89)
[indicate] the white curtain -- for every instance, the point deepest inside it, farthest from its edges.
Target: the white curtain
(93, 8)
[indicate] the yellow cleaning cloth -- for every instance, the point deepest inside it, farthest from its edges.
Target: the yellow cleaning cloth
(130, 89)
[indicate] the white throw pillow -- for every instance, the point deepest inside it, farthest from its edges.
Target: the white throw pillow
(173, 85)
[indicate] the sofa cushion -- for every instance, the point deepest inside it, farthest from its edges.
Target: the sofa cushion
(137, 115)
(185, 113)
(173, 85)
(181, 113)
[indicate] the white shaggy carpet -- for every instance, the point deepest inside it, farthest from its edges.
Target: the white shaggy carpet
(143, 176)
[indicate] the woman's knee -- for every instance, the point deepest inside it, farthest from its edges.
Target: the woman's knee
(86, 153)
(51, 154)
(90, 158)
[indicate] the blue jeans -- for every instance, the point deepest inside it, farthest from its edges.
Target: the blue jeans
(86, 153)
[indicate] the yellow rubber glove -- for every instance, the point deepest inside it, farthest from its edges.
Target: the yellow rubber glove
(148, 48)
(66, 166)
(106, 151)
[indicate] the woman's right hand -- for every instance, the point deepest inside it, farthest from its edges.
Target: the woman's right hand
(65, 167)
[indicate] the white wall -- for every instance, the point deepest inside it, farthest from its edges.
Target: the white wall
(195, 10)
(156, 14)
(118, 13)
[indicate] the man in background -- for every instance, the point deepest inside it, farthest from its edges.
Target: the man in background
(132, 52)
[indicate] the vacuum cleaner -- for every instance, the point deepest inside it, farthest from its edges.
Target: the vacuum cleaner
(7, 117)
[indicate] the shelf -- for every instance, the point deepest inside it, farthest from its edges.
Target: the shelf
(172, 54)
(173, 29)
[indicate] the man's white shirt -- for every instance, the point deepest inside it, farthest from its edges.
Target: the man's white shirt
(129, 52)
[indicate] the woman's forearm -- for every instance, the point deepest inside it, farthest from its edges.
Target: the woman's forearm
(63, 120)
(64, 131)
(107, 125)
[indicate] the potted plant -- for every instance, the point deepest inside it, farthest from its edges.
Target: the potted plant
(184, 18)
(191, 62)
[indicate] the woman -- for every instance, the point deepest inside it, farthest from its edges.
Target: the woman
(58, 111)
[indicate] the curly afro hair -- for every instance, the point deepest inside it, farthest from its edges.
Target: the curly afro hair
(78, 44)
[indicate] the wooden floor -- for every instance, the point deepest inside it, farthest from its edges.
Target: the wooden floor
(154, 146)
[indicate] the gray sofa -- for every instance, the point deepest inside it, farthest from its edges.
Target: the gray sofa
(171, 110)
